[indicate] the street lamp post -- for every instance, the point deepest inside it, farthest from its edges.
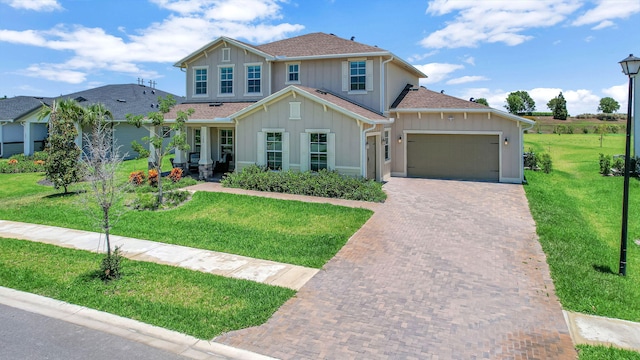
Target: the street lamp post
(630, 67)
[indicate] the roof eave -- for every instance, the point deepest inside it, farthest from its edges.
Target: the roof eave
(331, 56)
(461, 110)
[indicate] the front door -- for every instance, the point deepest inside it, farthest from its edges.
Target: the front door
(371, 157)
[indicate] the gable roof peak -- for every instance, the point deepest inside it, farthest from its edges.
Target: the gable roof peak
(317, 44)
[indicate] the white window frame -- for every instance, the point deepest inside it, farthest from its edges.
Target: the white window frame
(262, 155)
(197, 140)
(226, 55)
(325, 152)
(305, 148)
(387, 145)
(233, 85)
(221, 138)
(206, 81)
(287, 73)
(246, 85)
(346, 76)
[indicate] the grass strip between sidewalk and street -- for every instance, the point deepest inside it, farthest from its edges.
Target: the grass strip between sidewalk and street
(194, 303)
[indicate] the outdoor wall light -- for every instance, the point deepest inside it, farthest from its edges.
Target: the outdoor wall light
(630, 67)
(451, 117)
(400, 139)
(506, 141)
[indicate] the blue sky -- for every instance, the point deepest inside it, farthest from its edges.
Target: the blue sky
(468, 48)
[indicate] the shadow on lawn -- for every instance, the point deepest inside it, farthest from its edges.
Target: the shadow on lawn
(605, 269)
(67, 194)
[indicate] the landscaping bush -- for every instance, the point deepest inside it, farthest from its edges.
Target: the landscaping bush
(19, 163)
(585, 130)
(110, 268)
(615, 166)
(175, 175)
(137, 177)
(605, 164)
(324, 183)
(545, 161)
(153, 177)
(530, 160)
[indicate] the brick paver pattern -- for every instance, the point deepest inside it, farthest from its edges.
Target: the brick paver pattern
(442, 270)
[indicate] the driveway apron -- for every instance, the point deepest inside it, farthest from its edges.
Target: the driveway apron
(443, 270)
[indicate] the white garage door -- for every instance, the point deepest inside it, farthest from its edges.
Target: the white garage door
(453, 156)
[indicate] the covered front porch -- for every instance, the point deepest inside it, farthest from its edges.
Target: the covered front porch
(212, 150)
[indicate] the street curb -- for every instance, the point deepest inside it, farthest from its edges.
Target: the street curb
(154, 336)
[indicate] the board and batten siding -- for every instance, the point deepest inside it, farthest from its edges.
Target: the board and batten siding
(327, 74)
(312, 116)
(238, 59)
(511, 162)
(397, 79)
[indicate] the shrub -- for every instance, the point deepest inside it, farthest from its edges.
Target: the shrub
(20, 163)
(13, 161)
(530, 160)
(175, 198)
(605, 164)
(614, 129)
(137, 178)
(146, 201)
(585, 130)
(570, 129)
(38, 162)
(545, 161)
(617, 166)
(153, 177)
(324, 183)
(175, 175)
(110, 268)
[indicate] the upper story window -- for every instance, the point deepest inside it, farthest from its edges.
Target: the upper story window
(357, 75)
(200, 81)
(254, 78)
(226, 54)
(226, 80)
(293, 73)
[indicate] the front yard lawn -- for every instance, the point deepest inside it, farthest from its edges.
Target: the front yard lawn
(578, 216)
(293, 232)
(190, 302)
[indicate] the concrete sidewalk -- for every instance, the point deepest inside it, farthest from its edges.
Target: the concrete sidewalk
(598, 330)
(223, 264)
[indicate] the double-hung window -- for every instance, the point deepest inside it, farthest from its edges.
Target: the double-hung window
(226, 80)
(254, 78)
(226, 141)
(274, 150)
(196, 140)
(318, 151)
(357, 75)
(200, 81)
(293, 73)
(387, 138)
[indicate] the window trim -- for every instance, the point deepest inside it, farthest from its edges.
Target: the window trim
(206, 82)
(386, 137)
(357, 76)
(246, 84)
(226, 55)
(325, 153)
(233, 85)
(287, 72)
(197, 140)
(220, 137)
(267, 151)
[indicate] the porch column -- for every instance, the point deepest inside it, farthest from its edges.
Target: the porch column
(180, 160)
(151, 160)
(27, 140)
(205, 164)
(78, 139)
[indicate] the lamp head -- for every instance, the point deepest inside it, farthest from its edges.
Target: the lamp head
(630, 65)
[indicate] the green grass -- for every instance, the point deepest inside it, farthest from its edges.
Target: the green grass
(190, 302)
(307, 234)
(587, 352)
(578, 217)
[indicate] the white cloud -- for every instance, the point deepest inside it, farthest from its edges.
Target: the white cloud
(620, 93)
(196, 23)
(589, 38)
(603, 25)
(494, 21)
(466, 79)
(35, 5)
(437, 72)
(607, 10)
(418, 57)
(470, 60)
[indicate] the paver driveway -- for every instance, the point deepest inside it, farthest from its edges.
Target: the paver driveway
(443, 270)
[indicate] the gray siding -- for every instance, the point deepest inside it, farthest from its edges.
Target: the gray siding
(397, 78)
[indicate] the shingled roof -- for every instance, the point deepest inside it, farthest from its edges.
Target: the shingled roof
(120, 99)
(16, 107)
(422, 98)
(208, 111)
(316, 44)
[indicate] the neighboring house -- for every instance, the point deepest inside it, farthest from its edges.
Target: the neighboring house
(319, 101)
(22, 132)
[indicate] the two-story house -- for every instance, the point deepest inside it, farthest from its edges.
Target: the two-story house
(319, 101)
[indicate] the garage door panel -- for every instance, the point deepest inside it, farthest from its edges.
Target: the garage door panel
(453, 156)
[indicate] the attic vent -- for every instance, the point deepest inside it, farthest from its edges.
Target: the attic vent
(321, 92)
(121, 100)
(216, 104)
(80, 99)
(414, 89)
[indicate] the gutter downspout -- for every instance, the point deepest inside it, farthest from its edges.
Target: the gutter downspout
(270, 79)
(382, 83)
(363, 141)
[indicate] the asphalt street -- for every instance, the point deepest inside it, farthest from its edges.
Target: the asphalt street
(25, 336)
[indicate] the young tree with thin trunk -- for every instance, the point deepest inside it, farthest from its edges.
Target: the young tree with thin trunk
(156, 140)
(99, 165)
(63, 154)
